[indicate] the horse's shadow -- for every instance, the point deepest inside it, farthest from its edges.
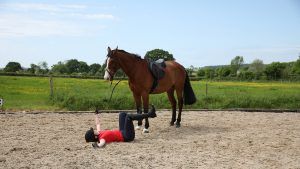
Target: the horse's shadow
(190, 131)
(201, 129)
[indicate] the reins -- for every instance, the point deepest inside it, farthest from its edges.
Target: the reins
(113, 89)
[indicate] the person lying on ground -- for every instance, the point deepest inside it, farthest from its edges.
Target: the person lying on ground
(125, 133)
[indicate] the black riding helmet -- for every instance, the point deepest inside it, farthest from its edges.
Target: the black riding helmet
(90, 136)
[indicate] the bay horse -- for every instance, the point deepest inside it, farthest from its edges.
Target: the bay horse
(140, 82)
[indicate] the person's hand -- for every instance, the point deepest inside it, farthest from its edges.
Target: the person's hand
(95, 145)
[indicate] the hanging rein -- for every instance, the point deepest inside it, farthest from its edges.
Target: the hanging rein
(111, 75)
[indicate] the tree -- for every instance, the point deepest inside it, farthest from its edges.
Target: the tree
(190, 70)
(158, 54)
(257, 66)
(246, 75)
(200, 73)
(72, 66)
(13, 67)
(94, 68)
(287, 70)
(33, 68)
(43, 68)
(83, 67)
(296, 67)
(59, 68)
(274, 70)
(209, 73)
(43, 65)
(223, 71)
(236, 64)
(75, 66)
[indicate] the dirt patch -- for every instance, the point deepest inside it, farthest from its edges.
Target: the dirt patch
(205, 140)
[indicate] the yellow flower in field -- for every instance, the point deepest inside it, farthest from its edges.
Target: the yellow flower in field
(256, 84)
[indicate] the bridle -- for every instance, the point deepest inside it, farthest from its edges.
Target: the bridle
(109, 55)
(111, 75)
(109, 72)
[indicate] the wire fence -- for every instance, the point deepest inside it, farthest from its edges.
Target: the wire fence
(286, 78)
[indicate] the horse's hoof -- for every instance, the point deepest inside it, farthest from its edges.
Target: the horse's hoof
(177, 125)
(138, 127)
(171, 123)
(145, 130)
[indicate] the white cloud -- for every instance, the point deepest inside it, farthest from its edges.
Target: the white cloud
(99, 16)
(74, 6)
(93, 16)
(42, 7)
(38, 19)
(18, 26)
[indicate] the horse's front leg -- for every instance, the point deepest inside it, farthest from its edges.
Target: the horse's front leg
(138, 103)
(145, 98)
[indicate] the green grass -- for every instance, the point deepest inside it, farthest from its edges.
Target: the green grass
(25, 93)
(33, 93)
(268, 95)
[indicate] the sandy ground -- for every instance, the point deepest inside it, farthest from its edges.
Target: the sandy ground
(205, 140)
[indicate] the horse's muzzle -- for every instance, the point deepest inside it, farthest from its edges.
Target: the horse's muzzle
(107, 76)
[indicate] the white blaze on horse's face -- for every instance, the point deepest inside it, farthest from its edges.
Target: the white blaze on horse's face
(106, 74)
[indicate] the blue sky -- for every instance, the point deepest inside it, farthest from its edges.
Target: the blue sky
(198, 33)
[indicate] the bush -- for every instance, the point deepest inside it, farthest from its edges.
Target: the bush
(12, 67)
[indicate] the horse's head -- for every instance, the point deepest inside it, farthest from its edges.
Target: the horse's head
(112, 64)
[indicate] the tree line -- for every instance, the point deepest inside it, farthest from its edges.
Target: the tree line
(236, 70)
(257, 70)
(74, 67)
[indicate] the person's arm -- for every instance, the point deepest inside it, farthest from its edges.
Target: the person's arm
(97, 120)
(101, 144)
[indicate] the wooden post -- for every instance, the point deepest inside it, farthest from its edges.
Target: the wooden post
(1, 104)
(51, 86)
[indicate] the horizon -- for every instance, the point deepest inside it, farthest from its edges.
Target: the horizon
(197, 67)
(197, 33)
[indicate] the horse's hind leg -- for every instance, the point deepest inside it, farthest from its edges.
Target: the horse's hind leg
(180, 105)
(173, 103)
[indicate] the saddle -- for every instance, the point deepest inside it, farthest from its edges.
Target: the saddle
(157, 71)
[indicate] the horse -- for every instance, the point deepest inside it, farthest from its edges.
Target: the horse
(140, 82)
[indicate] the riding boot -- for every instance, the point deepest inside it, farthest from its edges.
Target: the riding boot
(151, 114)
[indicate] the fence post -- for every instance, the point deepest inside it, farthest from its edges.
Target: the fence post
(1, 104)
(51, 86)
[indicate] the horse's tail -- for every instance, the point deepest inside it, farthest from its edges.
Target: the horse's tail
(188, 93)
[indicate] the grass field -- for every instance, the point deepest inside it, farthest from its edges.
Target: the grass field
(33, 93)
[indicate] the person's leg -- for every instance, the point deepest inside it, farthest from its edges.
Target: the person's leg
(122, 118)
(128, 131)
(151, 114)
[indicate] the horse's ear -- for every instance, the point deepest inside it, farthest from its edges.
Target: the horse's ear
(117, 48)
(108, 50)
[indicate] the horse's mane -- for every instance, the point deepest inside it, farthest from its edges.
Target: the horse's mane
(134, 55)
